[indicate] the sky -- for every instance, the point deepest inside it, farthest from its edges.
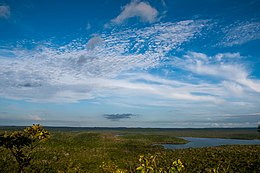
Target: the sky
(130, 63)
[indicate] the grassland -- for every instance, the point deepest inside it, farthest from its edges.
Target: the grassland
(84, 150)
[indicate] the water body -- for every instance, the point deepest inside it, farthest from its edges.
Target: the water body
(209, 142)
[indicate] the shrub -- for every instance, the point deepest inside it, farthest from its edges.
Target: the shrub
(22, 143)
(149, 164)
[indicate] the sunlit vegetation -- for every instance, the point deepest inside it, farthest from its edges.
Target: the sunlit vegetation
(133, 150)
(21, 143)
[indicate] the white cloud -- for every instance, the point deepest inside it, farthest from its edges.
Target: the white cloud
(253, 84)
(119, 70)
(197, 55)
(233, 87)
(227, 70)
(94, 41)
(158, 39)
(4, 11)
(34, 117)
(241, 33)
(86, 71)
(221, 56)
(143, 10)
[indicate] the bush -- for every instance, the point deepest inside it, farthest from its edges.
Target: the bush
(22, 143)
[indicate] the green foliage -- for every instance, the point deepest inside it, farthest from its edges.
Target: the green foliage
(149, 139)
(177, 166)
(258, 128)
(149, 164)
(85, 150)
(21, 143)
(237, 158)
(110, 167)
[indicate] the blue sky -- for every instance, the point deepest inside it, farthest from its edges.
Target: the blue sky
(168, 63)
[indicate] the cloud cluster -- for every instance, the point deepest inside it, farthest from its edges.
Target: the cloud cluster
(143, 10)
(219, 68)
(92, 70)
(117, 117)
(148, 69)
(117, 68)
(240, 33)
(120, 68)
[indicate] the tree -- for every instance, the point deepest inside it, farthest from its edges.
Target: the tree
(22, 143)
(258, 128)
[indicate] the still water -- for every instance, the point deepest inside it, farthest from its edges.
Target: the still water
(209, 142)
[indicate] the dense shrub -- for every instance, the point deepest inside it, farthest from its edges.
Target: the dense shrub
(21, 143)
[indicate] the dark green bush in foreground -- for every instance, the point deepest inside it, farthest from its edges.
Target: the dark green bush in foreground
(21, 143)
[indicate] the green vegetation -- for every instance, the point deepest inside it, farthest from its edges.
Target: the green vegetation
(150, 164)
(132, 150)
(21, 143)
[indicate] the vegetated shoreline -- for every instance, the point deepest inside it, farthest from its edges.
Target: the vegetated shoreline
(248, 133)
(85, 149)
(112, 128)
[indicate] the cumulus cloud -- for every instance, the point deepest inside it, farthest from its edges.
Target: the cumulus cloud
(221, 56)
(117, 117)
(142, 10)
(4, 11)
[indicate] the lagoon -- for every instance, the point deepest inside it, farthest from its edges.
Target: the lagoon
(209, 142)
